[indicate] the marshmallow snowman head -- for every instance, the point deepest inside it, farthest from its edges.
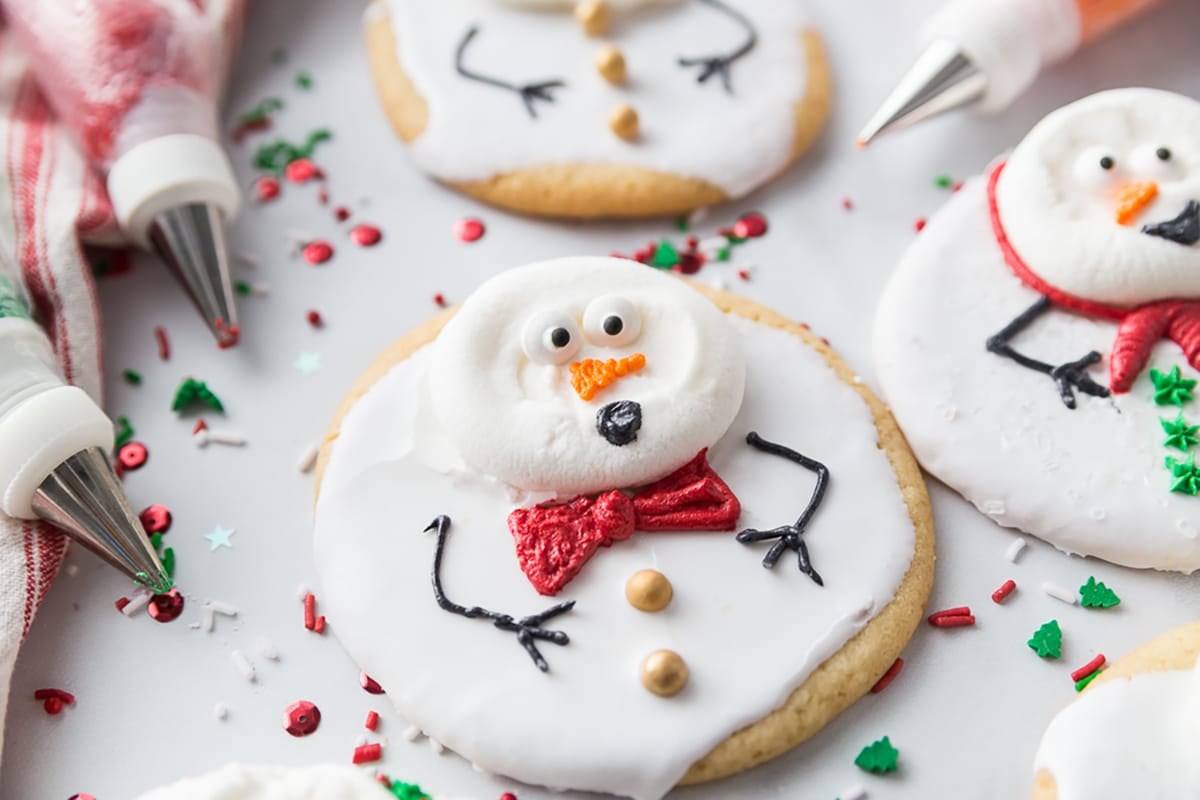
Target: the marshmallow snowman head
(582, 375)
(1075, 194)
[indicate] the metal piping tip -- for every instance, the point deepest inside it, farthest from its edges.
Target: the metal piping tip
(942, 79)
(83, 497)
(191, 240)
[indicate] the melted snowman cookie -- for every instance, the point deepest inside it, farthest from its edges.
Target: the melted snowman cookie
(623, 521)
(1039, 341)
(600, 108)
(1132, 732)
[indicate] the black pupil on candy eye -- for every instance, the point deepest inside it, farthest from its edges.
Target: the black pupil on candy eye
(1163, 154)
(560, 337)
(613, 325)
(1107, 162)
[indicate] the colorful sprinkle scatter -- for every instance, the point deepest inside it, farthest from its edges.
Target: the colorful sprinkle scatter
(878, 757)
(407, 791)
(1185, 474)
(469, 229)
(317, 252)
(314, 318)
(750, 226)
(307, 363)
(53, 700)
(366, 235)
(304, 80)
(439, 300)
(192, 392)
(369, 684)
(1047, 640)
(919, 224)
(1082, 683)
(257, 118)
(267, 189)
(372, 720)
(301, 718)
(341, 213)
(888, 677)
(166, 607)
(847, 204)
(1171, 388)
(124, 432)
(275, 156)
(1059, 593)
(132, 378)
(1094, 594)
(943, 182)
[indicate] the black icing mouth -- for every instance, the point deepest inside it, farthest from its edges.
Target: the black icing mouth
(619, 422)
(1183, 229)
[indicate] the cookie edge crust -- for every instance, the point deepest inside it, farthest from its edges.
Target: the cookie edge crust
(1176, 649)
(583, 191)
(849, 673)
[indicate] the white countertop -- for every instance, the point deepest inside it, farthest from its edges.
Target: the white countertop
(970, 705)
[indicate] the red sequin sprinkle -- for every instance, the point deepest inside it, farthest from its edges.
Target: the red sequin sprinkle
(744, 274)
(132, 455)
(314, 318)
(689, 263)
(267, 189)
(302, 170)
(750, 226)
(888, 676)
(366, 753)
(919, 225)
(164, 344)
(366, 235)
(317, 252)
(469, 229)
(1004, 591)
(369, 684)
(301, 718)
(508, 796)
(439, 300)
(1088, 668)
(156, 518)
(166, 607)
(341, 213)
(372, 720)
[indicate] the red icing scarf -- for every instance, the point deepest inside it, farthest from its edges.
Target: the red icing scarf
(554, 541)
(1138, 329)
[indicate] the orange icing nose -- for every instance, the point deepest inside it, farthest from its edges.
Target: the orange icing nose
(591, 375)
(1132, 198)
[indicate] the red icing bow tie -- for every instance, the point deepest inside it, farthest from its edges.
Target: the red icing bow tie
(1138, 330)
(554, 541)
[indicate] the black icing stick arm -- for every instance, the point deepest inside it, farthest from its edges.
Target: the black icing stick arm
(721, 63)
(528, 92)
(1067, 377)
(529, 629)
(790, 537)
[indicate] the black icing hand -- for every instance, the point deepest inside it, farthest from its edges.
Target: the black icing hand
(789, 537)
(528, 629)
(1183, 229)
(528, 92)
(721, 63)
(1068, 378)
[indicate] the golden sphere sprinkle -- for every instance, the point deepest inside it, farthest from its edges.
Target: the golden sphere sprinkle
(649, 590)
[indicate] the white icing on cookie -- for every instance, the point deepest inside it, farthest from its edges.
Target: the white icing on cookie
(513, 414)
(735, 141)
(1127, 738)
(616, 5)
(748, 635)
(1081, 479)
(240, 782)
(1058, 203)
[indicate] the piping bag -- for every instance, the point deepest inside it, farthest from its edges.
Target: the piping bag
(137, 82)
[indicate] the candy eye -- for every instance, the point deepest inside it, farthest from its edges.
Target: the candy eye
(612, 321)
(1094, 167)
(1157, 161)
(550, 337)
